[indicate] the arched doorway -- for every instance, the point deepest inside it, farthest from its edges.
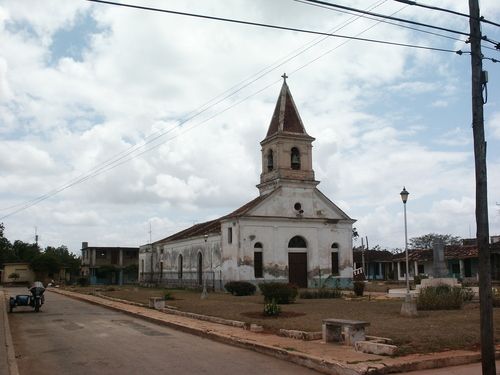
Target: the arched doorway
(297, 261)
(200, 269)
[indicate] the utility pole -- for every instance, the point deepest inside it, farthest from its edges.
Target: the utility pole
(485, 293)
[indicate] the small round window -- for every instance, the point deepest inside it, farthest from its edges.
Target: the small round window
(297, 206)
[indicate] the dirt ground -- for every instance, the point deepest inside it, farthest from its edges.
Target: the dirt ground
(430, 331)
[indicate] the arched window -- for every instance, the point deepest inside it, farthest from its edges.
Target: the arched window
(295, 158)
(200, 269)
(179, 267)
(335, 259)
(257, 245)
(297, 241)
(257, 260)
(270, 161)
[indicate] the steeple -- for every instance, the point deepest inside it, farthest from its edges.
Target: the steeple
(286, 116)
(287, 148)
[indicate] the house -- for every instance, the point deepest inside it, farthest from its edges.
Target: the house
(22, 269)
(291, 232)
(376, 264)
(462, 261)
(109, 265)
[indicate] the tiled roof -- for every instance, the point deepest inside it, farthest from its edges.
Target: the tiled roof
(372, 256)
(450, 252)
(212, 226)
(285, 117)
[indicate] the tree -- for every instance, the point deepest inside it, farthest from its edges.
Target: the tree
(6, 251)
(66, 259)
(15, 276)
(425, 241)
(46, 264)
(25, 252)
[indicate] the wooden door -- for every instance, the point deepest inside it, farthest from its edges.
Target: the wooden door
(297, 269)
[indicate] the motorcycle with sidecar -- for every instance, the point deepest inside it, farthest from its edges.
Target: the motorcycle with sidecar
(35, 299)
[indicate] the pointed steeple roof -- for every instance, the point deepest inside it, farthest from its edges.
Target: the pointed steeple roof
(286, 117)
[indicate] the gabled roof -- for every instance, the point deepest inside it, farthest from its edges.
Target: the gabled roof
(286, 117)
(212, 226)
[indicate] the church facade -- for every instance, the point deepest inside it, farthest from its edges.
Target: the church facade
(291, 232)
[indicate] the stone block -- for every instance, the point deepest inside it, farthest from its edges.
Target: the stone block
(256, 328)
(373, 347)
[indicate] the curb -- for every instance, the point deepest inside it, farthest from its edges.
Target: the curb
(11, 355)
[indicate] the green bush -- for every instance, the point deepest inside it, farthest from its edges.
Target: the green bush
(82, 281)
(441, 297)
(272, 309)
(467, 294)
(168, 296)
(496, 297)
(359, 288)
(321, 293)
(240, 288)
(281, 293)
(418, 278)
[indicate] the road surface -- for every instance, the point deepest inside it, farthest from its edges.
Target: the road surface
(73, 337)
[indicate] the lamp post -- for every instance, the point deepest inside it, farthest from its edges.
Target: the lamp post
(404, 197)
(409, 307)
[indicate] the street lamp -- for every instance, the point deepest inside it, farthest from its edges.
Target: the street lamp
(409, 307)
(404, 197)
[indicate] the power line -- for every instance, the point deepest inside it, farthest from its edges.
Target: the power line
(272, 26)
(389, 22)
(409, 2)
(395, 19)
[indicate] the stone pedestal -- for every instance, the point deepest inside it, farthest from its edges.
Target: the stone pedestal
(409, 307)
(439, 268)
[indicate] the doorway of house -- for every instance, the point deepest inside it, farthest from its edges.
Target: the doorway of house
(297, 269)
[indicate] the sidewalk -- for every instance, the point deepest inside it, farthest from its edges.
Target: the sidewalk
(326, 358)
(8, 363)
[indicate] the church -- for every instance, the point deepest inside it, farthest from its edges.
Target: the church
(291, 232)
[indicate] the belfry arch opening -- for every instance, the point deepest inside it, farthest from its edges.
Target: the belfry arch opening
(270, 161)
(295, 158)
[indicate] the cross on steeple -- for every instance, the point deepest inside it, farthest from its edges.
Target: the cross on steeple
(284, 76)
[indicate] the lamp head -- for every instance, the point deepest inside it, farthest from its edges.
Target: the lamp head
(404, 195)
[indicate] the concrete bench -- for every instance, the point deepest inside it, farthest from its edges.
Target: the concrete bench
(157, 303)
(344, 331)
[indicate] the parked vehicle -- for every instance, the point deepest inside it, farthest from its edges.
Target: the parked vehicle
(35, 299)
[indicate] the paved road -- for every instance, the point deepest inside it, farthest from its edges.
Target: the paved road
(77, 338)
(472, 369)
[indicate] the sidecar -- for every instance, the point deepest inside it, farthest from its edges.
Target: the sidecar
(35, 299)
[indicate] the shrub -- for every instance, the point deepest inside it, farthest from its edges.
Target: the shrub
(240, 288)
(441, 297)
(14, 275)
(418, 278)
(321, 293)
(168, 296)
(82, 281)
(359, 288)
(496, 297)
(281, 293)
(467, 294)
(272, 309)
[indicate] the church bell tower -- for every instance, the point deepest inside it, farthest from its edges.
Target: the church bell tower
(287, 148)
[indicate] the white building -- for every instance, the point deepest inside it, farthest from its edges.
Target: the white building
(290, 232)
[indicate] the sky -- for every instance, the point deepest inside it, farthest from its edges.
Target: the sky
(120, 125)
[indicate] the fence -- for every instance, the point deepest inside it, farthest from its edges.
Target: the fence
(188, 279)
